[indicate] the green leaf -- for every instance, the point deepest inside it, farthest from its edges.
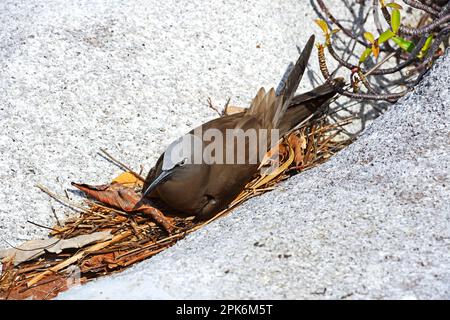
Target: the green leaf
(394, 5)
(395, 20)
(385, 36)
(365, 55)
(404, 44)
(428, 43)
(369, 37)
(323, 25)
(426, 46)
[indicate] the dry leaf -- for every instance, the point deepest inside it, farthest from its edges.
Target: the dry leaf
(35, 248)
(268, 176)
(298, 144)
(125, 198)
(229, 110)
(128, 179)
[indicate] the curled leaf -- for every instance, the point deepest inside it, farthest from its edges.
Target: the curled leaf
(298, 145)
(394, 5)
(125, 198)
(323, 25)
(395, 20)
(271, 172)
(369, 37)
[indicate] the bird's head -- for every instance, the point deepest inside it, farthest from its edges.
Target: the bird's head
(179, 155)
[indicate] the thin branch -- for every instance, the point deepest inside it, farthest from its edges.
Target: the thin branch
(359, 96)
(65, 202)
(42, 226)
(56, 217)
(417, 31)
(211, 106)
(375, 70)
(431, 4)
(421, 6)
(444, 10)
(110, 157)
(412, 58)
(341, 61)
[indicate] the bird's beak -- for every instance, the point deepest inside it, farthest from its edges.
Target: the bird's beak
(163, 176)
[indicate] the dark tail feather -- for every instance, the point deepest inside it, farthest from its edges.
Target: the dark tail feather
(310, 103)
(293, 81)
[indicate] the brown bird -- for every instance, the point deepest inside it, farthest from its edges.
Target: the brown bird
(205, 188)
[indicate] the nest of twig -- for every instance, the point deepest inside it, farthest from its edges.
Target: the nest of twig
(135, 237)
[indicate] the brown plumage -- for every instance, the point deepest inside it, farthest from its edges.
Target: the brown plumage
(206, 188)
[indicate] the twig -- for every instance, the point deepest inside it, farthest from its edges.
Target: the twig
(41, 226)
(62, 200)
(417, 31)
(226, 106)
(431, 3)
(211, 106)
(375, 70)
(444, 10)
(56, 216)
(359, 96)
(412, 58)
(137, 175)
(421, 6)
(379, 64)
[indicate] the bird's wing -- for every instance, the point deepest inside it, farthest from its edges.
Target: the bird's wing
(270, 107)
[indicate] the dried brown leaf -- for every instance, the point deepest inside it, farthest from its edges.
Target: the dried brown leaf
(35, 248)
(127, 199)
(229, 110)
(298, 144)
(128, 179)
